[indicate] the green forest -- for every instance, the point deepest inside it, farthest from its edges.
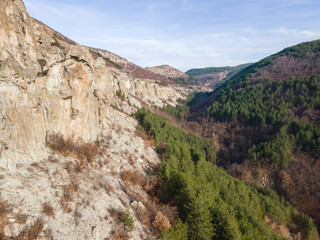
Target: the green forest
(273, 102)
(211, 203)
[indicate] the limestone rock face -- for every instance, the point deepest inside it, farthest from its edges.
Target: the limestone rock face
(49, 84)
(18, 56)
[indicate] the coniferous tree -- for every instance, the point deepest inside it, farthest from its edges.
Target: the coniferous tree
(199, 219)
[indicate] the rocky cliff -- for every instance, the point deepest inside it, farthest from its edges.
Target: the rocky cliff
(49, 84)
(51, 90)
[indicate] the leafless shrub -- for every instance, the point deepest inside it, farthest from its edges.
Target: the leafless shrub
(88, 150)
(66, 198)
(134, 177)
(21, 218)
(141, 134)
(48, 210)
(52, 159)
(77, 216)
(117, 236)
(131, 160)
(68, 147)
(114, 213)
(30, 233)
(110, 188)
(160, 222)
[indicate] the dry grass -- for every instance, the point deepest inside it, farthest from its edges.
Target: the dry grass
(30, 233)
(87, 150)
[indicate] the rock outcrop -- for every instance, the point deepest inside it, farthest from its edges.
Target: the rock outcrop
(49, 84)
(53, 89)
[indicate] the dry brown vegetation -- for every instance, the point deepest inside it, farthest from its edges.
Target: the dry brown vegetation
(143, 135)
(117, 236)
(66, 198)
(158, 213)
(94, 55)
(160, 222)
(48, 210)
(64, 38)
(68, 147)
(134, 177)
(120, 233)
(31, 232)
(4, 210)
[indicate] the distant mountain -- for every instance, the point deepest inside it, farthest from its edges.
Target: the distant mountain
(215, 76)
(168, 72)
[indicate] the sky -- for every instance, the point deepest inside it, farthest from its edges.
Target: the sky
(183, 33)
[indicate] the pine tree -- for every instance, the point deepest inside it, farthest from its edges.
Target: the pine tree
(199, 219)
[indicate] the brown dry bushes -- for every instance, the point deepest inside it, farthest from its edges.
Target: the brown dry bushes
(134, 177)
(69, 147)
(48, 210)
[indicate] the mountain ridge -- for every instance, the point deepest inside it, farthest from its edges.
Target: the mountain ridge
(266, 118)
(168, 72)
(215, 76)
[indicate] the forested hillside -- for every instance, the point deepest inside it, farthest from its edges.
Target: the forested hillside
(269, 113)
(291, 105)
(205, 194)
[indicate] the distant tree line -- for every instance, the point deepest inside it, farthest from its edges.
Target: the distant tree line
(199, 71)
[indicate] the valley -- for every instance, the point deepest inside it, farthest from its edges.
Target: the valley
(93, 146)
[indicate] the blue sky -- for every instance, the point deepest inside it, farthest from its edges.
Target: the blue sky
(183, 33)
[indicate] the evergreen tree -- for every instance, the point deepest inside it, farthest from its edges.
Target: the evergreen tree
(199, 219)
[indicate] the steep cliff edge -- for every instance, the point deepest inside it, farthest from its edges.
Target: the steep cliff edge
(71, 163)
(49, 85)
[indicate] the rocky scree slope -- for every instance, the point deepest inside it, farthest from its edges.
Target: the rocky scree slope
(55, 93)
